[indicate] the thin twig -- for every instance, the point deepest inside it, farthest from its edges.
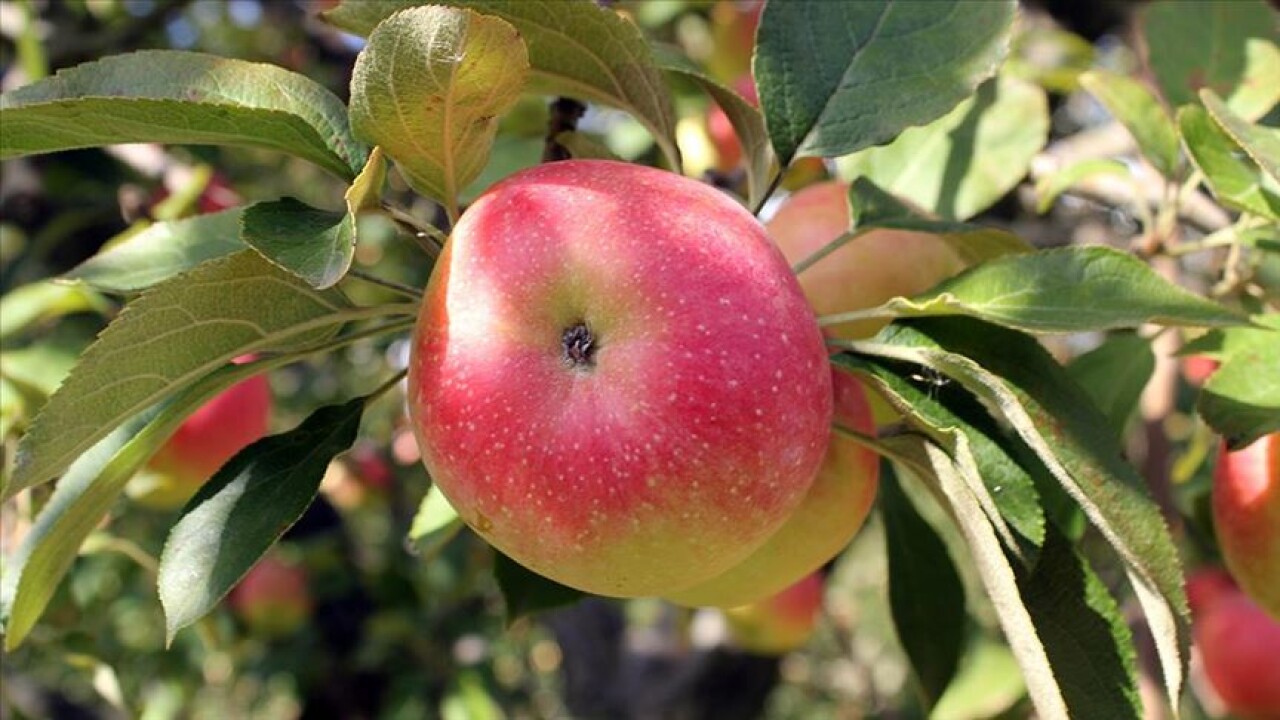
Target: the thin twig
(428, 236)
(384, 387)
(825, 250)
(405, 290)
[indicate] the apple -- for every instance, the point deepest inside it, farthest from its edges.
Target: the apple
(273, 598)
(1197, 369)
(1239, 645)
(615, 378)
(205, 441)
(733, 34)
(864, 273)
(1246, 515)
(831, 514)
(360, 477)
(780, 623)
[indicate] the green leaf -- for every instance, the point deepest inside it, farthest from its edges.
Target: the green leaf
(836, 77)
(45, 301)
(1135, 107)
(511, 154)
(428, 89)
(316, 245)
(1049, 56)
(86, 493)
(29, 374)
(963, 162)
(1233, 176)
(434, 525)
(1114, 374)
(746, 120)
(576, 48)
(987, 686)
(871, 208)
(1241, 399)
(164, 341)
(1083, 631)
(161, 251)
(933, 466)
(1018, 380)
(1259, 142)
(1062, 290)
(41, 366)
(247, 505)
(168, 96)
(925, 592)
(1049, 187)
(932, 404)
(1228, 47)
(527, 592)
(582, 146)
(365, 193)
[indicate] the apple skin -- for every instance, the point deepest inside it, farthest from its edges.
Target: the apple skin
(667, 445)
(1239, 645)
(1197, 369)
(831, 514)
(273, 598)
(781, 622)
(864, 273)
(1246, 515)
(207, 439)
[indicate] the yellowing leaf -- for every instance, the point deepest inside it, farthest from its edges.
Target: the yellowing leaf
(428, 89)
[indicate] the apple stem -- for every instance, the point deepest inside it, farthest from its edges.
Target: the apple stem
(768, 193)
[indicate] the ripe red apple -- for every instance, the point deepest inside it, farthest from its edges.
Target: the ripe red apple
(204, 442)
(864, 273)
(273, 598)
(1197, 369)
(831, 514)
(615, 378)
(780, 623)
(1246, 515)
(1239, 646)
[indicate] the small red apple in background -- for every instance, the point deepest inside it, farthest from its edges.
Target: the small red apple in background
(216, 196)
(362, 474)
(1239, 645)
(831, 514)
(1197, 369)
(615, 378)
(273, 598)
(205, 441)
(1246, 516)
(780, 623)
(733, 32)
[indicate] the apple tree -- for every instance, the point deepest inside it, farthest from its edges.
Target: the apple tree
(1002, 392)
